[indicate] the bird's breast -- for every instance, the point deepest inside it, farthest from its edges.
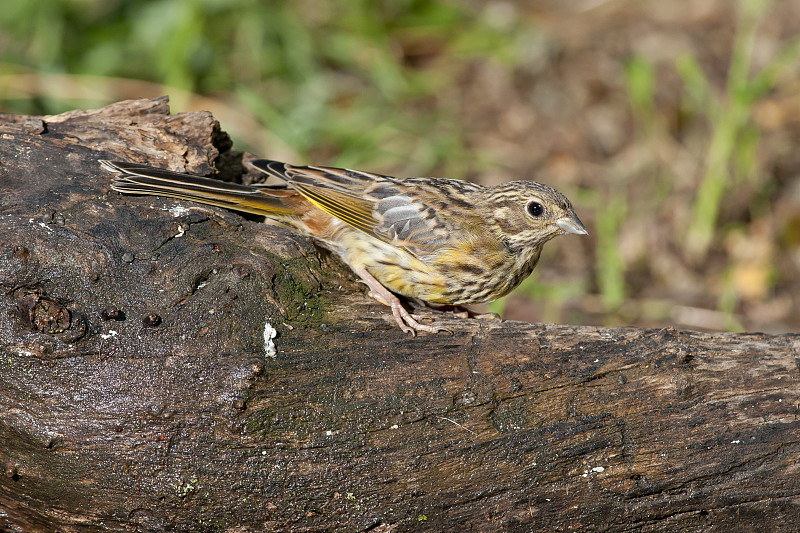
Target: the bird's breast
(485, 276)
(464, 272)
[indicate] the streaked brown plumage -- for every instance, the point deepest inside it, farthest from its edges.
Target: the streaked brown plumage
(438, 240)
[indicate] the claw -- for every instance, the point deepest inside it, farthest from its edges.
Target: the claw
(462, 312)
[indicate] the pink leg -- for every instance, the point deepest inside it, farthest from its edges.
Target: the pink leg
(407, 322)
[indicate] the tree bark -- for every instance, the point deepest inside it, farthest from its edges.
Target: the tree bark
(139, 392)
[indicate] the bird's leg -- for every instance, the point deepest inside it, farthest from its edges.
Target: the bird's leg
(407, 322)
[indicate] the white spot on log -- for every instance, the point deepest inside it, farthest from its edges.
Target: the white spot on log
(181, 231)
(269, 346)
(178, 211)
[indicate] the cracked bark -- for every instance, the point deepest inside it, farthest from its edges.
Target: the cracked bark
(136, 395)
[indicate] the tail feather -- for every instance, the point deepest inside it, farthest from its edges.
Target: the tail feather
(273, 168)
(141, 179)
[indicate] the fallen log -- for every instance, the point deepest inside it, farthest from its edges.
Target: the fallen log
(172, 366)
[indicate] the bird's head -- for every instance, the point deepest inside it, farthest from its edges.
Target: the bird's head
(527, 214)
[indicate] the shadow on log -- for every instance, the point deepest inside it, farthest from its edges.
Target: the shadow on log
(137, 390)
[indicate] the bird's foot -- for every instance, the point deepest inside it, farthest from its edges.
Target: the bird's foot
(408, 322)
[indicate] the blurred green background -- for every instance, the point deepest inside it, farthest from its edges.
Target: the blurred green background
(673, 126)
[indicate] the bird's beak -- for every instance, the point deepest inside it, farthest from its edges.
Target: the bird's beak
(572, 224)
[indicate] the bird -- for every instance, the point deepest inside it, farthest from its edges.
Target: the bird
(444, 242)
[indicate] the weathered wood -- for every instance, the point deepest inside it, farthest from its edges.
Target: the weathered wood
(137, 395)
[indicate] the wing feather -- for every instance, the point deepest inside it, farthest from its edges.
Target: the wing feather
(400, 212)
(348, 208)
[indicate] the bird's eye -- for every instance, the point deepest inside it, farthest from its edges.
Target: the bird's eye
(534, 208)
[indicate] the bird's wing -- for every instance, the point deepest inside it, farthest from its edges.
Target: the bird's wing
(408, 213)
(338, 192)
